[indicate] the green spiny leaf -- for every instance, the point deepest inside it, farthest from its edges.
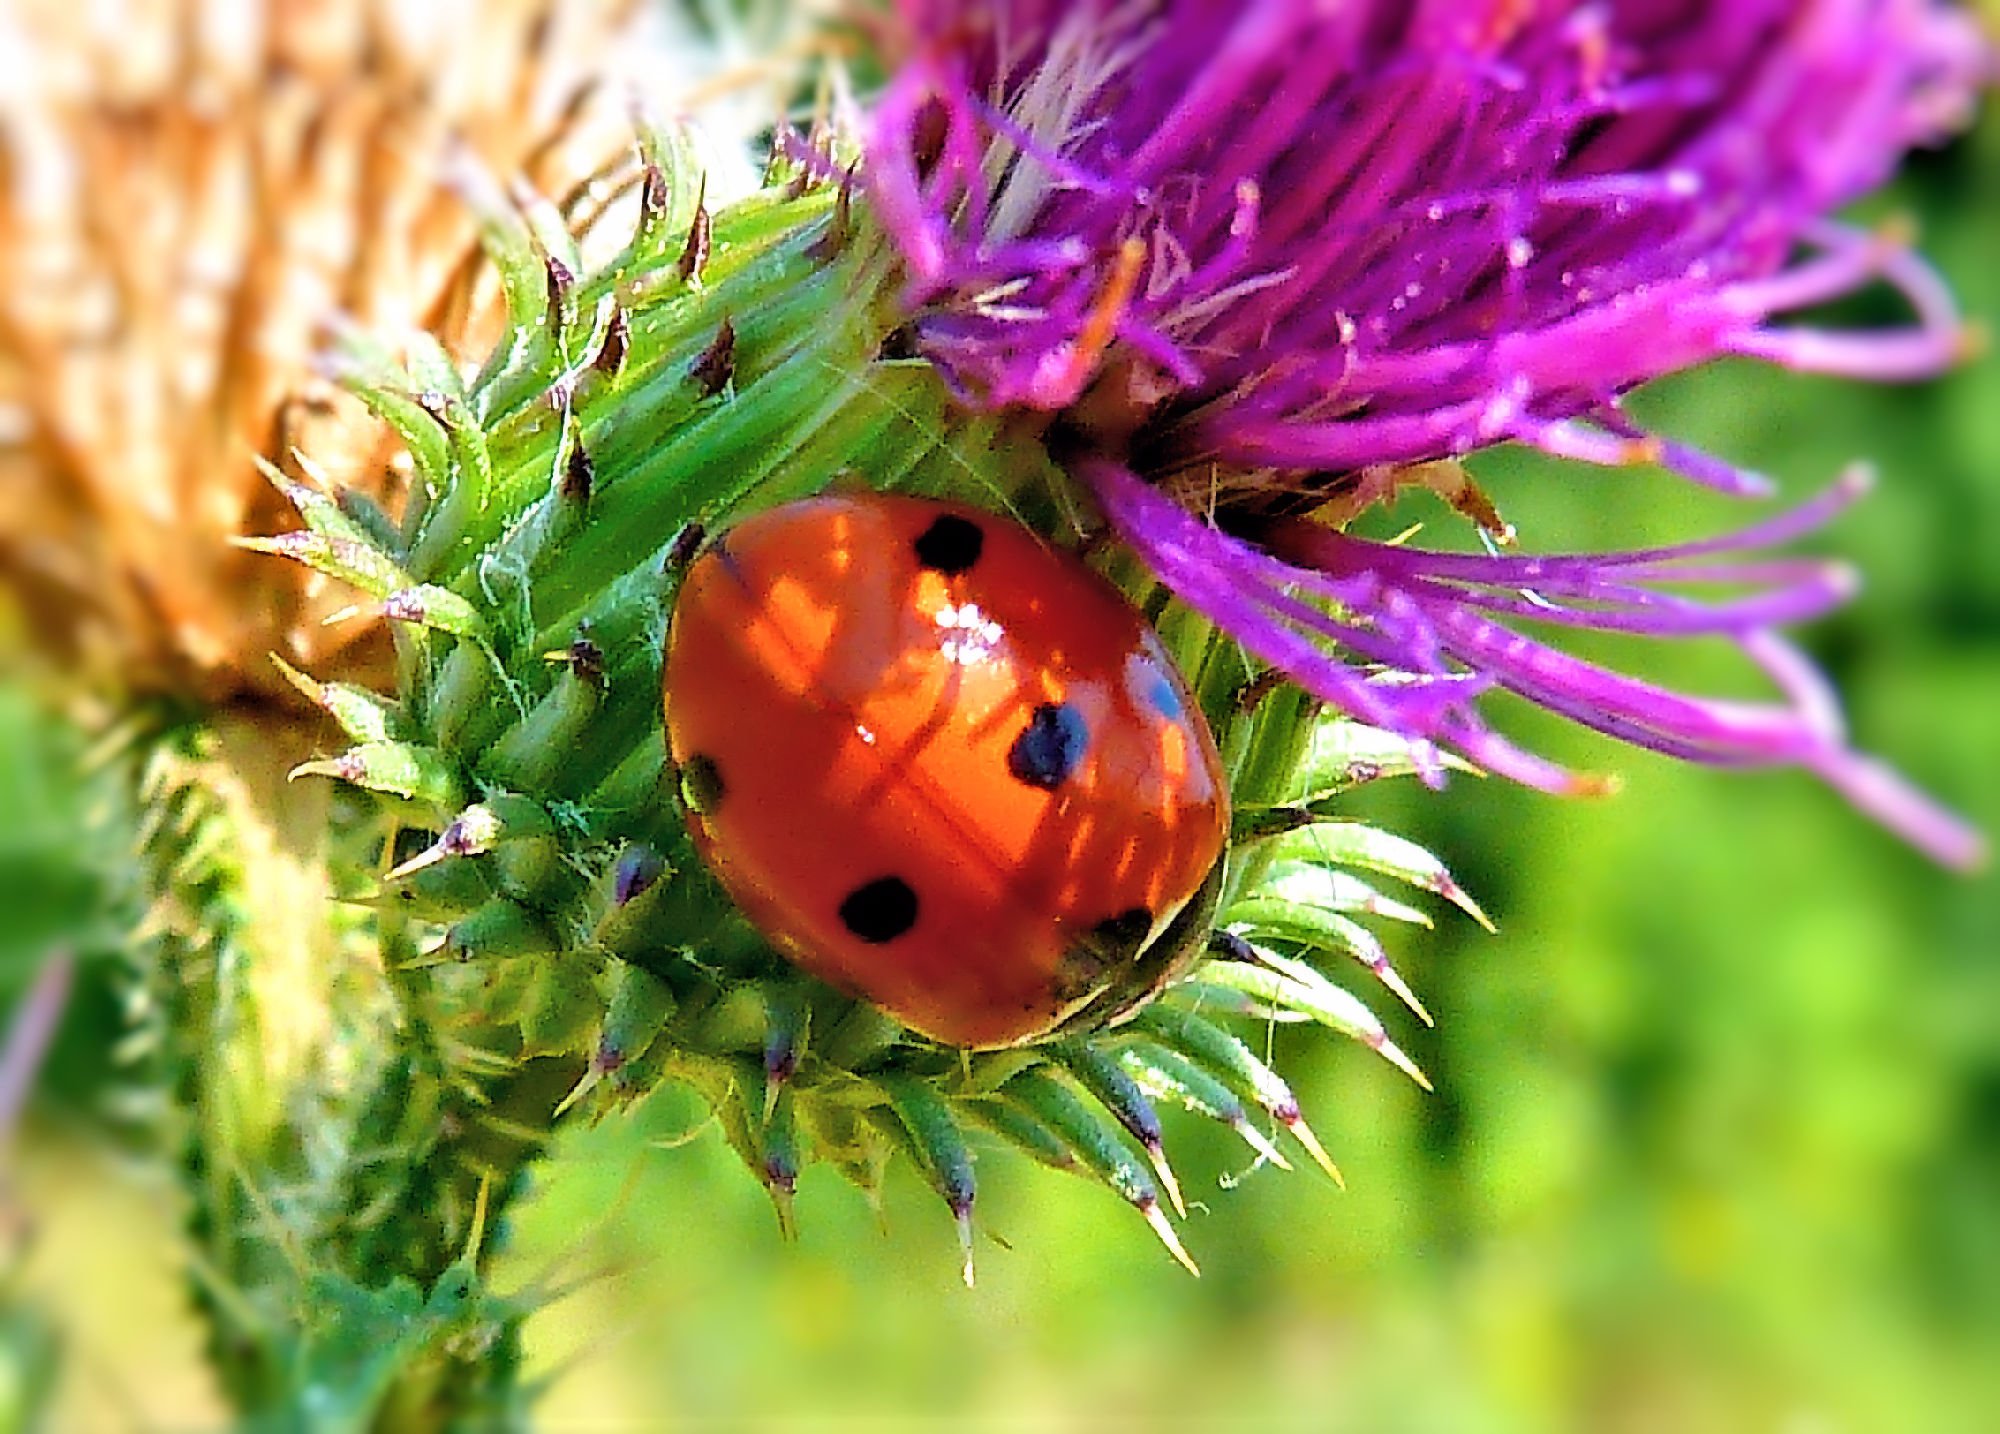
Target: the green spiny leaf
(940, 1143)
(1013, 1124)
(1372, 849)
(1167, 1074)
(363, 715)
(356, 563)
(1221, 1054)
(1321, 930)
(400, 769)
(1099, 1147)
(1117, 1092)
(1293, 985)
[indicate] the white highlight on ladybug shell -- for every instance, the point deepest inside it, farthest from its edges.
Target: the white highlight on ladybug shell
(971, 636)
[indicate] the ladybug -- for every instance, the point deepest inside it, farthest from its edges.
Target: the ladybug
(943, 766)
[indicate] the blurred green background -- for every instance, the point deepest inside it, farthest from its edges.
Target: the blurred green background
(1716, 1136)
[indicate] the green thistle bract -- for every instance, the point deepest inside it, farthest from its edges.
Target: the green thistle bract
(539, 894)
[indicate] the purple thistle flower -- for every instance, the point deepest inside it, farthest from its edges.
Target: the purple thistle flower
(1381, 233)
(1254, 250)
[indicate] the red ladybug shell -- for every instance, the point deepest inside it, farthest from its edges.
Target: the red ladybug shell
(939, 763)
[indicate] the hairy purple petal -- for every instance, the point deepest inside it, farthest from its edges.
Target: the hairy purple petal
(1418, 639)
(1387, 232)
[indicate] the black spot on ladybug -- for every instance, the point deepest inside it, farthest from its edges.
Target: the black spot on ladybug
(702, 787)
(880, 911)
(1165, 700)
(951, 545)
(1049, 747)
